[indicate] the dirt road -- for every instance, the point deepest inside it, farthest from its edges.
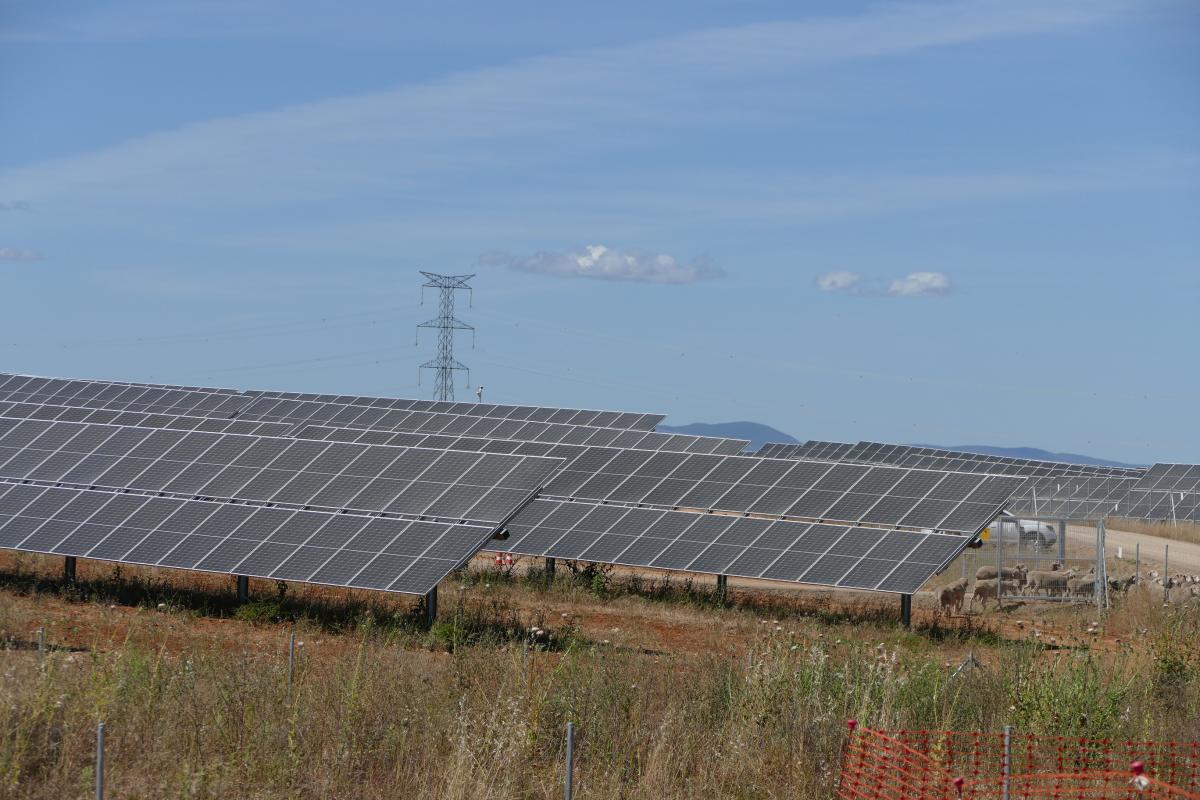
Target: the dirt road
(1183, 556)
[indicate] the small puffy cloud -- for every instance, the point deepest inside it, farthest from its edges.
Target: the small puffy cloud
(15, 254)
(921, 284)
(604, 263)
(914, 284)
(14, 205)
(839, 281)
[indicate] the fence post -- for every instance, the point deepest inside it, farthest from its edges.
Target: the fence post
(1062, 542)
(1008, 733)
(1166, 575)
(291, 664)
(41, 647)
(570, 781)
(1137, 563)
(100, 761)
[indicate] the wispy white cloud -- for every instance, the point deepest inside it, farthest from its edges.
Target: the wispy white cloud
(17, 254)
(921, 284)
(602, 263)
(373, 142)
(838, 281)
(914, 284)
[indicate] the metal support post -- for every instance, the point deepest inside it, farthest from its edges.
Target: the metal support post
(69, 570)
(243, 589)
(906, 610)
(570, 766)
(550, 569)
(431, 608)
(1008, 734)
(100, 761)
(1062, 542)
(41, 642)
(1137, 563)
(722, 588)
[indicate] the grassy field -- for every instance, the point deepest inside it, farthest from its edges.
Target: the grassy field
(675, 694)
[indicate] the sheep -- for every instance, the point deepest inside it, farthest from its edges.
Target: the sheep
(1121, 584)
(1053, 582)
(990, 590)
(1083, 585)
(950, 598)
(988, 572)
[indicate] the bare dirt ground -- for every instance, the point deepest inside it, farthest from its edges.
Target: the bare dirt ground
(626, 621)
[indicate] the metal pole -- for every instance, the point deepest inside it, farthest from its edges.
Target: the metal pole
(1008, 733)
(69, 570)
(1137, 563)
(722, 588)
(550, 569)
(291, 663)
(1062, 542)
(570, 782)
(243, 588)
(431, 608)
(100, 761)
(906, 610)
(41, 646)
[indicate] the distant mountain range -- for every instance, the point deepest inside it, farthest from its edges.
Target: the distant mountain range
(760, 434)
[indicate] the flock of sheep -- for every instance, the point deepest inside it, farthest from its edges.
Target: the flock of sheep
(991, 583)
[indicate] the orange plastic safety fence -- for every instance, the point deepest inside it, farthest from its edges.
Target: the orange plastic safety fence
(954, 765)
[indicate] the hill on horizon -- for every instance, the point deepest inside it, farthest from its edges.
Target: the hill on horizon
(1034, 453)
(759, 434)
(756, 432)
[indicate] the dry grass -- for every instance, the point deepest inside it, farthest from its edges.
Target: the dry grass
(1177, 531)
(197, 703)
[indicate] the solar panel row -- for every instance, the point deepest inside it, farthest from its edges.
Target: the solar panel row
(459, 486)
(810, 490)
(58, 390)
(937, 458)
(285, 544)
(831, 555)
(1166, 492)
(124, 397)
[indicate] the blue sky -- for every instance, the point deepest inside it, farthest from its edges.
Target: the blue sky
(936, 222)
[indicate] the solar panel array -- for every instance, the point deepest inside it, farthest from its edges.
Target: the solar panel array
(1167, 492)
(429, 475)
(832, 555)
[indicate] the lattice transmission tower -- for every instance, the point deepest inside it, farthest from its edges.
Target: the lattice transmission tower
(446, 324)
